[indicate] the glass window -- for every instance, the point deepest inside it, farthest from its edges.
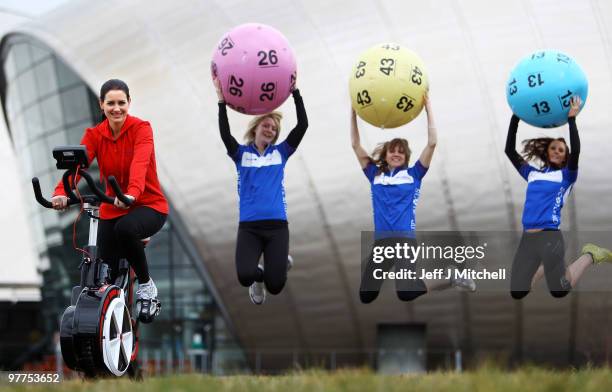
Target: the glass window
(45, 77)
(189, 278)
(38, 53)
(25, 162)
(49, 218)
(51, 111)
(27, 87)
(39, 152)
(181, 259)
(33, 122)
(54, 239)
(47, 182)
(74, 134)
(23, 60)
(76, 105)
(56, 139)
(13, 106)
(65, 76)
(18, 132)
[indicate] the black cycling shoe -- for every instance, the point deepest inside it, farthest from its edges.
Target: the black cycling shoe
(147, 309)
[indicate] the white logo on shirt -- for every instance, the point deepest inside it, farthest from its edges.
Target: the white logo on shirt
(400, 178)
(250, 159)
(552, 176)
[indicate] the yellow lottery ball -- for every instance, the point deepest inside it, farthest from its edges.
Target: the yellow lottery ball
(387, 85)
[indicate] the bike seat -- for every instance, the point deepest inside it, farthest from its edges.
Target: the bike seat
(145, 241)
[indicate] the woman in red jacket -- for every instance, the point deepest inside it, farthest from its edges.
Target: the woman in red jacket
(123, 146)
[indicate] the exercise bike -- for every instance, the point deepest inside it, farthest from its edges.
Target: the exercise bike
(98, 333)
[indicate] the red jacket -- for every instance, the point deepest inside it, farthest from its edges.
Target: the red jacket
(131, 159)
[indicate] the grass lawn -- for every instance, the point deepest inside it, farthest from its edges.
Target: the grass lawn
(486, 379)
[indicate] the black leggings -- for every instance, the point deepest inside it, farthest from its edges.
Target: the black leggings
(407, 289)
(121, 238)
(542, 247)
(271, 238)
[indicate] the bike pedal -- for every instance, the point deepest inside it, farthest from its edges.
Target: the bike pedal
(147, 310)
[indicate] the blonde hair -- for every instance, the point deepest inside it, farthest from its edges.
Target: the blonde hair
(249, 136)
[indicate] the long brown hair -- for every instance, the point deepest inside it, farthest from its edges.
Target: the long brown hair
(380, 153)
(538, 148)
(249, 135)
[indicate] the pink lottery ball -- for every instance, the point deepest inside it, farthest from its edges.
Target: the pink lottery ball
(256, 68)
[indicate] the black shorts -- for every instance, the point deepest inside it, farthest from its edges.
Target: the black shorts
(542, 247)
(270, 238)
(407, 289)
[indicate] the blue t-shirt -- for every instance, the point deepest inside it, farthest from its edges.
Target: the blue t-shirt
(547, 190)
(261, 188)
(394, 197)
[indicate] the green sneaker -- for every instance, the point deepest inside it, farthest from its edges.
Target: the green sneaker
(599, 255)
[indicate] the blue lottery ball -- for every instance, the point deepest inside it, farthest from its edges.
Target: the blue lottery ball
(540, 87)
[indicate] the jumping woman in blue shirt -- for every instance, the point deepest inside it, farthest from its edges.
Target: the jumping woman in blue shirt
(263, 227)
(541, 250)
(395, 188)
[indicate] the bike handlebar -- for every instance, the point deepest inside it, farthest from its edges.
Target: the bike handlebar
(120, 195)
(38, 194)
(103, 197)
(72, 197)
